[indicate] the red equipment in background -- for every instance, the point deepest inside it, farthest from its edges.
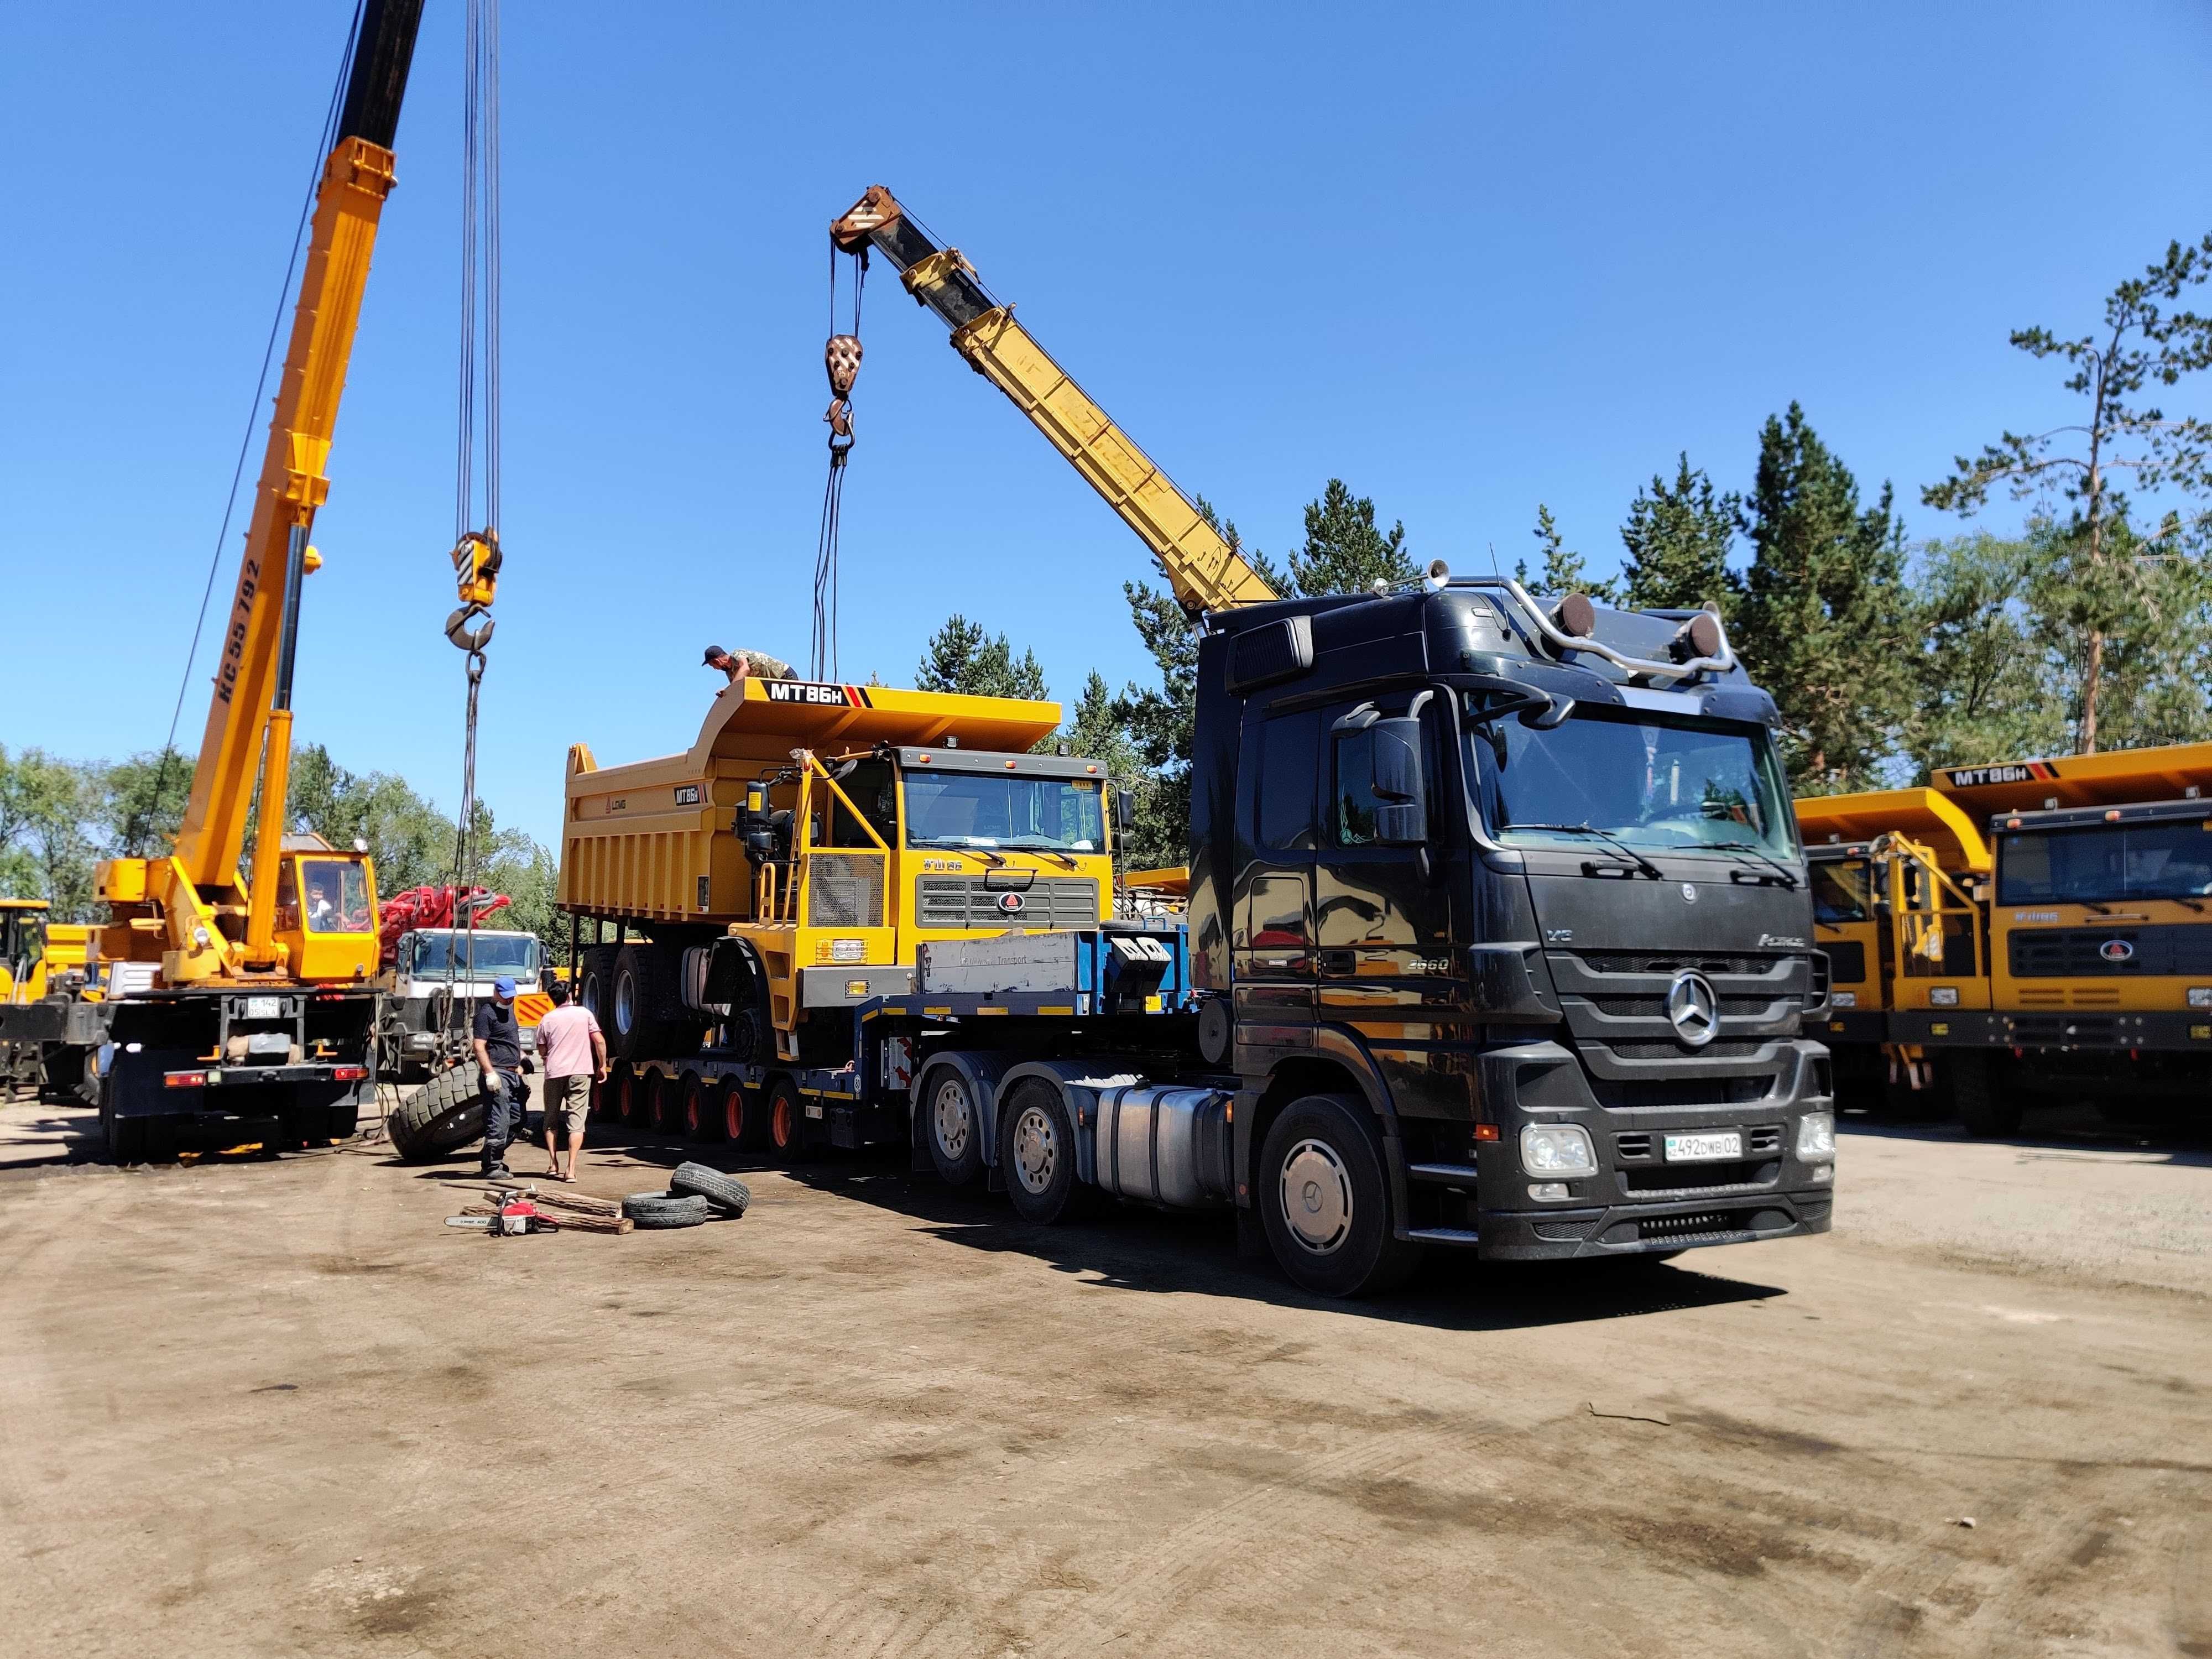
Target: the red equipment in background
(430, 907)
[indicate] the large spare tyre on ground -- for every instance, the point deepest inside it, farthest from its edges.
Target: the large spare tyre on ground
(443, 1116)
(725, 1193)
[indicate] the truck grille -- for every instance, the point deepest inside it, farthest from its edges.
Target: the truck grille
(2079, 952)
(965, 902)
(1648, 962)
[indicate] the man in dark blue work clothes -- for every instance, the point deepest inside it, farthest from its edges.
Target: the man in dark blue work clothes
(499, 1060)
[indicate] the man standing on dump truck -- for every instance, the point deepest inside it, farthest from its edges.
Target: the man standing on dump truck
(499, 1060)
(737, 664)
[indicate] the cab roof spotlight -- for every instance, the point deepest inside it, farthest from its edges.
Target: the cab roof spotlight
(1576, 616)
(1700, 636)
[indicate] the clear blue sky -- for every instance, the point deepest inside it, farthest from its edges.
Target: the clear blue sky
(1467, 258)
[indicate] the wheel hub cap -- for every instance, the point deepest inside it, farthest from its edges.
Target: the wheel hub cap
(1036, 1150)
(953, 1117)
(1317, 1196)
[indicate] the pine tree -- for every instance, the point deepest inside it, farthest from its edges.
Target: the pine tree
(1678, 537)
(1162, 723)
(1565, 571)
(1344, 552)
(1822, 625)
(962, 657)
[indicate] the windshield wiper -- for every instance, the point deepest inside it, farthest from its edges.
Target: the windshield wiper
(1635, 858)
(1788, 877)
(959, 843)
(1039, 847)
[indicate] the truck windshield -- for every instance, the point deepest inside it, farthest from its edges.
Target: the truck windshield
(1841, 892)
(2117, 861)
(970, 809)
(443, 956)
(1653, 781)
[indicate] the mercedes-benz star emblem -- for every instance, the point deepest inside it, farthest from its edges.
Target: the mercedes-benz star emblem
(1689, 892)
(1692, 1009)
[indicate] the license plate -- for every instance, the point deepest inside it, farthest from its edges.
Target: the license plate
(264, 1007)
(1710, 1146)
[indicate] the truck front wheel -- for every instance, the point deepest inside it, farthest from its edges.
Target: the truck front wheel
(1325, 1202)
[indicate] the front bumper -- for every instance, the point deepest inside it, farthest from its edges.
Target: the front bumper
(1636, 1203)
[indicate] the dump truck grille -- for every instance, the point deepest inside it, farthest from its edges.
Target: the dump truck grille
(965, 902)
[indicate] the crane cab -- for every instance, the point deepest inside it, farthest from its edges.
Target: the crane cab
(326, 914)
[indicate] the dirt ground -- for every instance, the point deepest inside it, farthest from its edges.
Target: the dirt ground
(276, 1407)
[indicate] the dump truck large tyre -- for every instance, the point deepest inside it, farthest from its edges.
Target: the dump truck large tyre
(1986, 1109)
(595, 986)
(651, 1022)
(443, 1116)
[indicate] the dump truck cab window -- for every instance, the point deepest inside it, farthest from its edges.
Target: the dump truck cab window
(969, 809)
(2101, 862)
(1841, 892)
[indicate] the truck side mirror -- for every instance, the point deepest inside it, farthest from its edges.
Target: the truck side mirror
(1124, 810)
(1401, 814)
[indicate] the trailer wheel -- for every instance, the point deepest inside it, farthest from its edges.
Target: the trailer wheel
(667, 1104)
(786, 1116)
(1036, 1153)
(745, 1117)
(702, 1112)
(1983, 1114)
(952, 1125)
(443, 1116)
(1325, 1201)
(624, 1083)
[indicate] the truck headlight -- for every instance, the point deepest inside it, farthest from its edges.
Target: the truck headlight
(1844, 1000)
(2200, 996)
(1816, 1135)
(1943, 996)
(1557, 1149)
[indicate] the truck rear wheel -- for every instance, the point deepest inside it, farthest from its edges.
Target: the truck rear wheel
(744, 1118)
(1983, 1112)
(443, 1116)
(1325, 1201)
(952, 1125)
(1036, 1153)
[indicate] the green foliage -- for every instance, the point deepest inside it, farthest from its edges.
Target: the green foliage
(47, 846)
(1981, 691)
(1162, 723)
(410, 839)
(2141, 342)
(1344, 552)
(1678, 536)
(960, 657)
(1822, 623)
(1563, 571)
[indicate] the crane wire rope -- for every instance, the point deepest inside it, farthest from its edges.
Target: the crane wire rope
(476, 555)
(842, 358)
(149, 804)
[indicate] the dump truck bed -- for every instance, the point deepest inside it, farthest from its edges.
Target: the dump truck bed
(653, 841)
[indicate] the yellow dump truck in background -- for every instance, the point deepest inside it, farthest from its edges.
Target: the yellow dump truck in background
(2036, 928)
(796, 862)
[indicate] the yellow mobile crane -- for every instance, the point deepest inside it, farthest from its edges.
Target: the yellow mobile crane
(259, 1019)
(1206, 573)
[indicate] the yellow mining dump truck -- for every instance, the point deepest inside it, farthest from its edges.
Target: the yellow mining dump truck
(52, 1026)
(1900, 885)
(735, 903)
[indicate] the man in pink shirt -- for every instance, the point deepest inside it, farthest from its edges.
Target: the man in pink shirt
(571, 1052)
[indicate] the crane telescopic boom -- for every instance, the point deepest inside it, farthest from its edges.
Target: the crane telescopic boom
(189, 906)
(1206, 573)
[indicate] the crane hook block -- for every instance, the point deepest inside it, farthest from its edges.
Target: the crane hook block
(467, 638)
(842, 357)
(476, 560)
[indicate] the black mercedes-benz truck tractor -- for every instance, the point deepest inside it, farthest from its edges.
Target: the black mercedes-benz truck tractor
(1503, 924)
